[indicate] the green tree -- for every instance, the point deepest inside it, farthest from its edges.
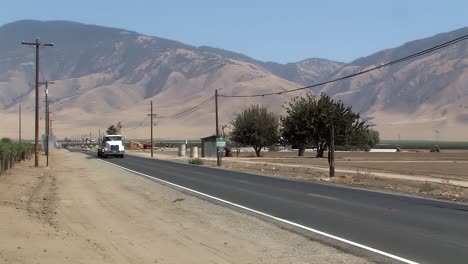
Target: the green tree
(364, 138)
(297, 126)
(112, 130)
(115, 129)
(373, 137)
(119, 127)
(255, 127)
(310, 120)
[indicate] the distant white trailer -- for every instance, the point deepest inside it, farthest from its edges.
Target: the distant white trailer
(383, 150)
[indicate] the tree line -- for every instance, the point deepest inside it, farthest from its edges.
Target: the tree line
(308, 122)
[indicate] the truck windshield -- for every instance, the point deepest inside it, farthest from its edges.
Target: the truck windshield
(114, 138)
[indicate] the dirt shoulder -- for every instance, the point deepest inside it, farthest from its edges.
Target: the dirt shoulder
(367, 174)
(81, 210)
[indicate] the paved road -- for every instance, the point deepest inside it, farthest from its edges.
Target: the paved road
(425, 231)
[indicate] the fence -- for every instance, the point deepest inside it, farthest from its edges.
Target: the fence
(11, 153)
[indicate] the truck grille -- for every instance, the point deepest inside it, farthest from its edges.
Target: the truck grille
(114, 148)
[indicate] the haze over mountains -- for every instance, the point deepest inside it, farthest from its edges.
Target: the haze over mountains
(104, 75)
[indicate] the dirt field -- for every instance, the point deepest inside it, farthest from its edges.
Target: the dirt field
(436, 175)
(448, 164)
(80, 210)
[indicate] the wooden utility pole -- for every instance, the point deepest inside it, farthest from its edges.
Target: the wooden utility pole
(218, 157)
(46, 123)
(36, 137)
(48, 132)
(152, 115)
(331, 152)
(50, 126)
(19, 136)
(46, 119)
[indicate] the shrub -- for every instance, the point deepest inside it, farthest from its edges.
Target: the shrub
(196, 161)
(5, 140)
(427, 187)
(11, 153)
(366, 148)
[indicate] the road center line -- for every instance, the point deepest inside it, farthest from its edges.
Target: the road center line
(321, 196)
(383, 253)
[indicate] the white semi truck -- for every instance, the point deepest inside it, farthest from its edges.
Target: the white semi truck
(111, 145)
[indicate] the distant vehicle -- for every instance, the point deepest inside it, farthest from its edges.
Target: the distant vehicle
(111, 145)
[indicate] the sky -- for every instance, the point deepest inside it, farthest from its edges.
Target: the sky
(276, 30)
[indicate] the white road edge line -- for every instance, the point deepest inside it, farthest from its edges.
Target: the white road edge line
(273, 217)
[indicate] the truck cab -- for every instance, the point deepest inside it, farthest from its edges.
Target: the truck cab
(111, 145)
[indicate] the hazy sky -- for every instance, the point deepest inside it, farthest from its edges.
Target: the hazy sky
(274, 30)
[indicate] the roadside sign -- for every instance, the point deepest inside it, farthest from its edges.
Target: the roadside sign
(220, 142)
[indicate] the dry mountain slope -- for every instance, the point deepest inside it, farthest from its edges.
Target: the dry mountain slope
(104, 75)
(412, 99)
(305, 72)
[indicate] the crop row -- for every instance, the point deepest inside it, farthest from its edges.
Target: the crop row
(12, 153)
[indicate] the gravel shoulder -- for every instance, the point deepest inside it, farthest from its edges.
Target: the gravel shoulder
(81, 210)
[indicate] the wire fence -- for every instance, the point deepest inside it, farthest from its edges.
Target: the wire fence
(12, 153)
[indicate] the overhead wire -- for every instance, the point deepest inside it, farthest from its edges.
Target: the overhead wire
(188, 111)
(138, 126)
(210, 99)
(417, 54)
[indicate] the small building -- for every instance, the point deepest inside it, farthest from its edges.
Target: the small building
(208, 145)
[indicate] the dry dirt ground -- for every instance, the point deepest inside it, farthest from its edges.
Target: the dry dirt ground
(81, 210)
(436, 175)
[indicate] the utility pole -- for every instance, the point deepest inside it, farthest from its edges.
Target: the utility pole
(50, 126)
(47, 131)
(152, 115)
(46, 83)
(331, 152)
(218, 158)
(36, 138)
(19, 136)
(46, 119)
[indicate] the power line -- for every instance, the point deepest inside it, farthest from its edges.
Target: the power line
(409, 57)
(188, 111)
(138, 126)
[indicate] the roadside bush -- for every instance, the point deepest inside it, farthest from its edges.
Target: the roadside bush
(11, 153)
(366, 148)
(196, 161)
(5, 140)
(427, 187)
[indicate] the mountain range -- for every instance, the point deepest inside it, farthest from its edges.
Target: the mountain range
(105, 75)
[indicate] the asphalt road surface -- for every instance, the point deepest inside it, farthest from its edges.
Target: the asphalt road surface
(420, 230)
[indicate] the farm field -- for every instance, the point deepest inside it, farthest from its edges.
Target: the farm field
(450, 164)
